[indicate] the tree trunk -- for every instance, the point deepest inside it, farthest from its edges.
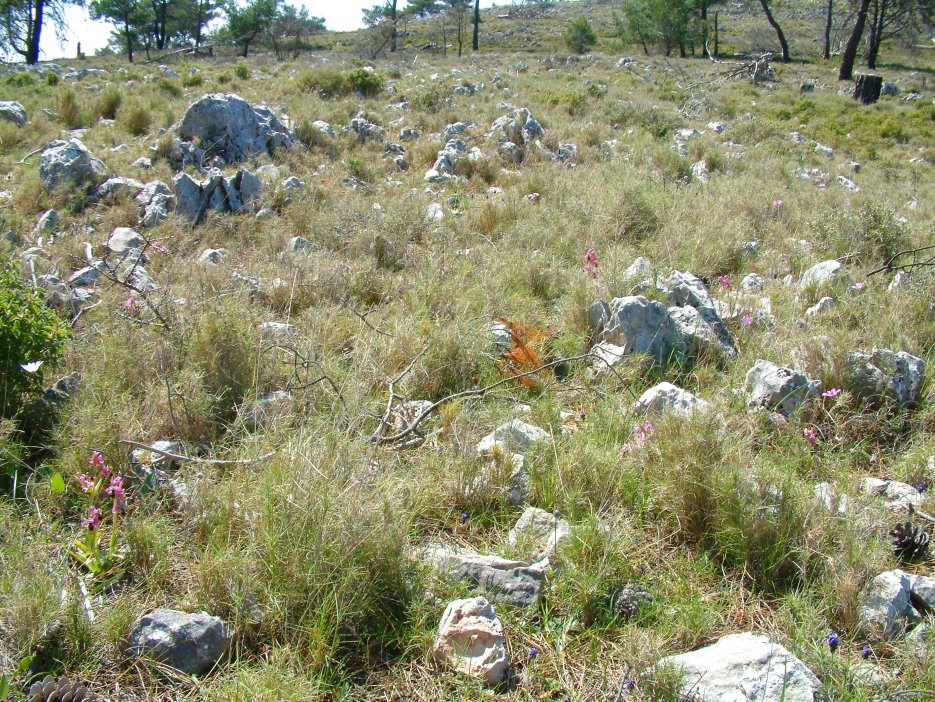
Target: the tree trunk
(129, 35)
(867, 89)
(716, 36)
(34, 32)
(704, 28)
(877, 36)
(393, 20)
(783, 44)
(475, 46)
(826, 54)
(846, 71)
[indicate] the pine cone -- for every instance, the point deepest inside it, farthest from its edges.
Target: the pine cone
(909, 541)
(630, 598)
(52, 690)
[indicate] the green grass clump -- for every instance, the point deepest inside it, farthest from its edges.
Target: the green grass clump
(137, 119)
(109, 102)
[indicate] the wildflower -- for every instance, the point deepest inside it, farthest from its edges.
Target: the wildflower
(811, 436)
(747, 320)
(115, 490)
(858, 286)
(834, 640)
(921, 487)
(464, 517)
(724, 280)
(644, 432)
(31, 367)
(833, 392)
(847, 203)
(630, 683)
(158, 247)
(93, 521)
(590, 263)
(86, 483)
(625, 450)
(533, 652)
(533, 197)
(129, 306)
(777, 204)
(866, 652)
(96, 460)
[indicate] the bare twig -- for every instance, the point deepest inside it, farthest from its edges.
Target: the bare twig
(192, 459)
(363, 319)
(30, 154)
(888, 266)
(378, 437)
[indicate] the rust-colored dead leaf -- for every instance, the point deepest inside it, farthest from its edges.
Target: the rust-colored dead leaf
(527, 353)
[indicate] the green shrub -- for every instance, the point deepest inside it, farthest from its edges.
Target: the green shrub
(242, 71)
(109, 102)
(580, 36)
(51, 79)
(366, 82)
(30, 333)
(70, 111)
(192, 79)
(326, 81)
(224, 78)
(138, 119)
(312, 136)
(21, 80)
(170, 87)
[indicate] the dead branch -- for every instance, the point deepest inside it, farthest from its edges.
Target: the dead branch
(378, 437)
(193, 459)
(888, 266)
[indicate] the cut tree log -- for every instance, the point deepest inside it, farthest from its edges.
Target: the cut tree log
(867, 88)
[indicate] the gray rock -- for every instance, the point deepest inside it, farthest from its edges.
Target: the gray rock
(514, 436)
(540, 531)
(324, 128)
(700, 171)
(778, 388)
(142, 162)
(87, 276)
(638, 325)
(823, 305)
(752, 282)
(300, 243)
(115, 187)
(293, 183)
(826, 273)
(409, 134)
(900, 281)
(232, 130)
(886, 607)
(640, 268)
(60, 296)
(832, 499)
(744, 667)
(896, 376)
(70, 163)
(453, 130)
(701, 337)
(366, 130)
(212, 256)
(232, 194)
(470, 640)
(519, 127)
(607, 356)
(12, 111)
(191, 643)
(666, 397)
(276, 330)
(48, 223)
(898, 496)
(500, 579)
(266, 408)
(123, 239)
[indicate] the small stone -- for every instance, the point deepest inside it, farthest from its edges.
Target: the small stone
(513, 436)
(470, 640)
(823, 305)
(212, 257)
(12, 111)
(778, 388)
(300, 243)
(886, 606)
(541, 530)
(191, 643)
(123, 239)
(752, 282)
(666, 397)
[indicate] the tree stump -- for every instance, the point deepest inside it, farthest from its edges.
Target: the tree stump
(867, 88)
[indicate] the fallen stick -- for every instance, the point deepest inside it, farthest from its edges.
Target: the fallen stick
(192, 459)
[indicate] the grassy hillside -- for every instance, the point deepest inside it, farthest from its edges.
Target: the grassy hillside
(307, 537)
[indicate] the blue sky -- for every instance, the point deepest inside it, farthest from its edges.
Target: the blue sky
(340, 15)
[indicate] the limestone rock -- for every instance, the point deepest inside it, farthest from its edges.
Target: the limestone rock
(886, 607)
(827, 273)
(666, 397)
(513, 436)
(232, 194)
(778, 388)
(884, 373)
(232, 130)
(638, 325)
(540, 530)
(470, 640)
(514, 582)
(70, 163)
(744, 667)
(12, 111)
